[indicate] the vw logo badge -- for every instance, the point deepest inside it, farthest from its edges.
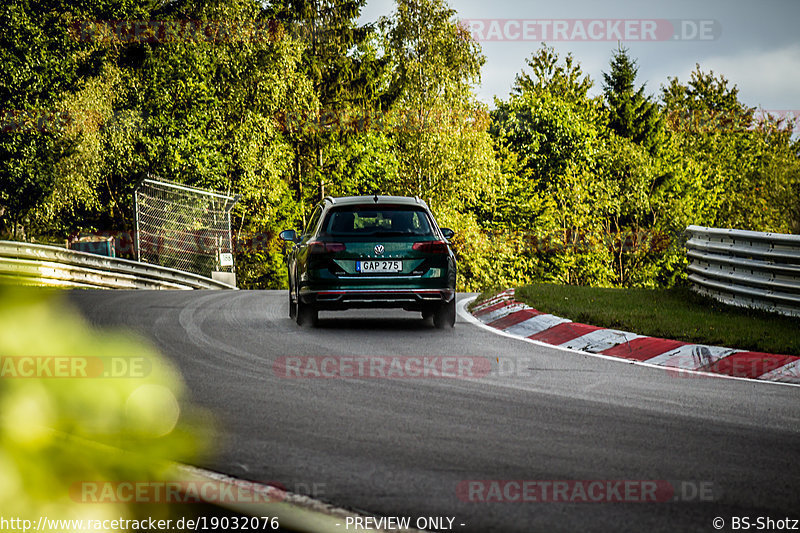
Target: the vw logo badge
(378, 249)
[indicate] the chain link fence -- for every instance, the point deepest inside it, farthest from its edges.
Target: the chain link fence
(185, 228)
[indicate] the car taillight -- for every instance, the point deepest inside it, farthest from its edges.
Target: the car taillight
(431, 247)
(319, 247)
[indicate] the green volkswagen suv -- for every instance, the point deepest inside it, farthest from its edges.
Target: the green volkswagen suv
(372, 252)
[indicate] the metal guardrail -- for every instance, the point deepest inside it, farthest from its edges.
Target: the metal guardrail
(746, 268)
(36, 264)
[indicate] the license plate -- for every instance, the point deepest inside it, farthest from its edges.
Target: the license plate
(365, 267)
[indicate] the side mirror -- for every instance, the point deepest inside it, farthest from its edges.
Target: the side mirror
(447, 233)
(289, 235)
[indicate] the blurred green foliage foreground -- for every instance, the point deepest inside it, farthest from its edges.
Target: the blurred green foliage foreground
(58, 432)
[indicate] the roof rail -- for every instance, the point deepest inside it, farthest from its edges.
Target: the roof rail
(330, 199)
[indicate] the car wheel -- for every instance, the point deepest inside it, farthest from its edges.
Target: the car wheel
(292, 307)
(445, 315)
(307, 315)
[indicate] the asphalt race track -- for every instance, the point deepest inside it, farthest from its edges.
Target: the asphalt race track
(400, 447)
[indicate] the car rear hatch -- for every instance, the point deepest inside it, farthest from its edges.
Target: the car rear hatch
(383, 246)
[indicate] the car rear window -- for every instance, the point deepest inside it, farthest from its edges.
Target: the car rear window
(381, 221)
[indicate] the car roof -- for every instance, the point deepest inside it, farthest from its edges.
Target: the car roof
(381, 200)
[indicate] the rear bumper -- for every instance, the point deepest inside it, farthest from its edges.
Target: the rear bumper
(409, 299)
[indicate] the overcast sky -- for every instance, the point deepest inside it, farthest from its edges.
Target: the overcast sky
(755, 45)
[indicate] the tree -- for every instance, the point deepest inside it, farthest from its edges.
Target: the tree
(212, 118)
(705, 104)
(749, 176)
(631, 114)
(345, 74)
(437, 127)
(554, 133)
(549, 76)
(38, 63)
(554, 184)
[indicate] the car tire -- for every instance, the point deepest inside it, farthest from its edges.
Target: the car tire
(307, 315)
(292, 307)
(445, 315)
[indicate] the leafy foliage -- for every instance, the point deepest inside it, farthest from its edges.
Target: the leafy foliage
(632, 114)
(64, 424)
(552, 184)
